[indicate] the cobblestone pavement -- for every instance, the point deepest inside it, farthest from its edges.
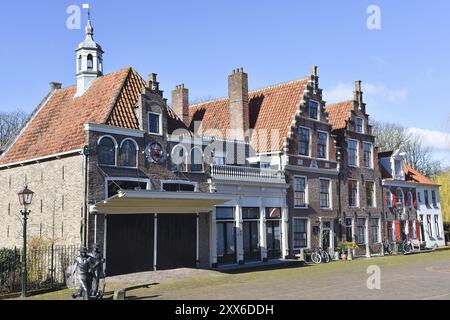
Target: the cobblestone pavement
(421, 276)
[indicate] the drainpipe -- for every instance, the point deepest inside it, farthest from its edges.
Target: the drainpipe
(86, 196)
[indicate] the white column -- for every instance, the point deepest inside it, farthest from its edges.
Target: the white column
(354, 223)
(263, 232)
(198, 241)
(155, 244)
(332, 238)
(367, 238)
(213, 239)
(239, 235)
(284, 232)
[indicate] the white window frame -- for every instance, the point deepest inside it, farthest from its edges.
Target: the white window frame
(308, 233)
(362, 126)
(319, 107)
(126, 179)
(330, 194)
(306, 192)
(357, 153)
(160, 134)
(371, 166)
(327, 148)
(374, 198)
(357, 194)
(310, 142)
(390, 199)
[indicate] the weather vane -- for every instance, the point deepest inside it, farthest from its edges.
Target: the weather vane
(88, 8)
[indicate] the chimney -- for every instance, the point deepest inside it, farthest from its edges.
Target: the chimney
(180, 103)
(55, 86)
(358, 93)
(153, 84)
(239, 108)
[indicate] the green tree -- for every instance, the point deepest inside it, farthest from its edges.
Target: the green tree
(444, 180)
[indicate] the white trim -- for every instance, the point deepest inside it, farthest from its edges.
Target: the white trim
(129, 139)
(371, 153)
(308, 233)
(125, 179)
(330, 194)
(333, 172)
(160, 124)
(357, 194)
(319, 110)
(357, 153)
(37, 160)
(363, 125)
(327, 155)
(310, 141)
(306, 192)
(374, 198)
(114, 130)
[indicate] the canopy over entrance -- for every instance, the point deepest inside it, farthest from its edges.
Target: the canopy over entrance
(146, 201)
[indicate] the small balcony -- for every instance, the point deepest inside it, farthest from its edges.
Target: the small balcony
(235, 173)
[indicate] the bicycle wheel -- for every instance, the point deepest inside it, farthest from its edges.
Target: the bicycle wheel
(316, 258)
(391, 248)
(407, 248)
(325, 257)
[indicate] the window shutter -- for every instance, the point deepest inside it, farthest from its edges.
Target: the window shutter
(418, 229)
(398, 236)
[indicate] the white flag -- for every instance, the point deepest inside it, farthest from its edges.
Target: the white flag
(85, 5)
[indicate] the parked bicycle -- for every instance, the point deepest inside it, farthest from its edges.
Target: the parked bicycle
(326, 258)
(390, 248)
(407, 247)
(317, 256)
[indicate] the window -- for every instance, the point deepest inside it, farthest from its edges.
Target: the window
(226, 235)
(90, 62)
(352, 193)
(436, 226)
(154, 123)
(304, 141)
(324, 194)
(359, 125)
(273, 213)
(353, 153)
(219, 158)
(178, 187)
(224, 213)
(410, 200)
(80, 61)
(106, 151)
(361, 227)
(429, 227)
(300, 233)
(196, 160)
(128, 154)
(179, 159)
(322, 145)
(399, 197)
(368, 162)
(389, 198)
(433, 198)
(114, 186)
(427, 200)
(349, 229)
(250, 213)
(389, 234)
(370, 194)
(374, 230)
(419, 196)
(398, 167)
(314, 110)
(300, 184)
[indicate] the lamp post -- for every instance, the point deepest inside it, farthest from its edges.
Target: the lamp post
(25, 200)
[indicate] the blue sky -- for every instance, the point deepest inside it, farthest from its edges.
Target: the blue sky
(404, 66)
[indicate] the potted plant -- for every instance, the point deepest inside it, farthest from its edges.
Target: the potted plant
(343, 250)
(347, 251)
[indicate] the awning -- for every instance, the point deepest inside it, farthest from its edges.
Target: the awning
(152, 202)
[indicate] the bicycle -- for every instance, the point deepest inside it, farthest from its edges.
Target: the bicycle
(312, 256)
(390, 248)
(324, 255)
(407, 247)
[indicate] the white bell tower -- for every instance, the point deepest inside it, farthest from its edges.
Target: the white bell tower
(89, 60)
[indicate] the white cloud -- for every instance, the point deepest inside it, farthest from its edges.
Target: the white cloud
(436, 139)
(374, 93)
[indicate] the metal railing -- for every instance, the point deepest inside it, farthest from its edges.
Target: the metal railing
(47, 267)
(247, 174)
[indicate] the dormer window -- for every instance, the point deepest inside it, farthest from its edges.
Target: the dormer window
(154, 123)
(398, 167)
(359, 125)
(90, 62)
(314, 110)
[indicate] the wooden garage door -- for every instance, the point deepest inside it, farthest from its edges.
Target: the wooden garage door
(177, 241)
(130, 244)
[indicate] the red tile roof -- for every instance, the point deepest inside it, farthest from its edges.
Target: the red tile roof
(58, 126)
(339, 114)
(271, 108)
(415, 176)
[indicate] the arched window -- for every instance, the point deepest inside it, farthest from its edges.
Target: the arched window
(90, 62)
(410, 199)
(400, 197)
(128, 153)
(107, 151)
(179, 158)
(196, 160)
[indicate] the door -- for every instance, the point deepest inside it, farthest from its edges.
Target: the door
(129, 247)
(326, 236)
(177, 241)
(273, 239)
(252, 250)
(226, 242)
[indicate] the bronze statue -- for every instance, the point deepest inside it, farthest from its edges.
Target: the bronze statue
(96, 270)
(83, 265)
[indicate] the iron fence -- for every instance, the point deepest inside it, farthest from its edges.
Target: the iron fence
(47, 268)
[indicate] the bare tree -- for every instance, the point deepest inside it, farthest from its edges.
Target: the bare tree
(10, 125)
(392, 136)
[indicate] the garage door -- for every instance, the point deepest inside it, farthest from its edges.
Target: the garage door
(177, 241)
(130, 244)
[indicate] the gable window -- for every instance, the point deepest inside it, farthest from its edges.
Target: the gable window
(300, 185)
(324, 194)
(107, 151)
(353, 193)
(433, 198)
(304, 141)
(128, 153)
(196, 162)
(361, 228)
(314, 110)
(359, 125)
(368, 159)
(370, 194)
(300, 233)
(154, 123)
(398, 167)
(353, 152)
(427, 200)
(322, 145)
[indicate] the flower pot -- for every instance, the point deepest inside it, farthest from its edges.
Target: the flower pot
(343, 256)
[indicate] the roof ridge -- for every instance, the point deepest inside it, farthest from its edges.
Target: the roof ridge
(281, 84)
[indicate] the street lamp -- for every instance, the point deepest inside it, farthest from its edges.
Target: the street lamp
(25, 200)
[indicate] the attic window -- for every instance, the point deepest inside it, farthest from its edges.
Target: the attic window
(359, 125)
(398, 167)
(90, 62)
(314, 110)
